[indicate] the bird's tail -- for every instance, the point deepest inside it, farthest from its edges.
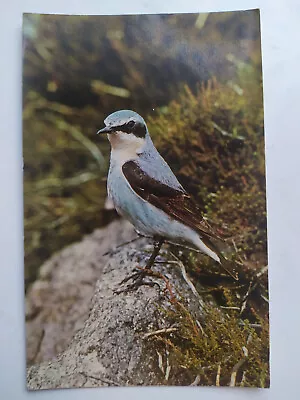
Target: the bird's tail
(229, 266)
(209, 248)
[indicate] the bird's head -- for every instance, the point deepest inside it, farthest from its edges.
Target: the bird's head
(125, 129)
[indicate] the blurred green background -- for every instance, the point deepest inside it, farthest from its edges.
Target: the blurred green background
(195, 78)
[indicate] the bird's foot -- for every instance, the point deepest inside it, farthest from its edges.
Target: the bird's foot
(138, 278)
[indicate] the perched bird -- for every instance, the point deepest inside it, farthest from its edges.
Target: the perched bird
(145, 191)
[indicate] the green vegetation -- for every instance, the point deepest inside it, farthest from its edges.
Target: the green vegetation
(215, 145)
(64, 186)
(223, 350)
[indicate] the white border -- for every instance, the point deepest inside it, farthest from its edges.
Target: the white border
(281, 59)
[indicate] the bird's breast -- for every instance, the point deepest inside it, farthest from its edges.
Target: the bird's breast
(119, 189)
(124, 147)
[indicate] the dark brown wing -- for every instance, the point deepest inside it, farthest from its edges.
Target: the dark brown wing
(174, 202)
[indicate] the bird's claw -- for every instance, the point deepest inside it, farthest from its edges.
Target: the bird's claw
(138, 280)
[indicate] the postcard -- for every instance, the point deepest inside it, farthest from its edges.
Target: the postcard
(145, 225)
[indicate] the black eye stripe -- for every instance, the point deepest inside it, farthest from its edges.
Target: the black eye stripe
(130, 124)
(124, 128)
(137, 128)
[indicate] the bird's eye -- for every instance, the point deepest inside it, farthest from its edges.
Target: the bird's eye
(130, 124)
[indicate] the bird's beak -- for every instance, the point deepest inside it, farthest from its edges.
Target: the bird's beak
(106, 129)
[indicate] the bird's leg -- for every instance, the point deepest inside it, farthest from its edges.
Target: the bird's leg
(138, 277)
(156, 250)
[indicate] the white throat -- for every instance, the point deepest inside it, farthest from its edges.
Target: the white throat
(124, 147)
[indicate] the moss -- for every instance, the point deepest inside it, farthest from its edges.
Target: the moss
(215, 146)
(220, 343)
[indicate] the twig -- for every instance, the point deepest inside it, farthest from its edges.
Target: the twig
(158, 275)
(160, 362)
(240, 363)
(245, 298)
(264, 298)
(104, 380)
(243, 380)
(160, 331)
(196, 381)
(192, 287)
(168, 369)
(165, 262)
(201, 328)
(218, 375)
(242, 323)
(234, 245)
(225, 133)
(217, 288)
(235, 369)
(185, 277)
(262, 271)
(237, 251)
(249, 340)
(121, 245)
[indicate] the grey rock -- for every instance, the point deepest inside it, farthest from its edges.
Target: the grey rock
(80, 333)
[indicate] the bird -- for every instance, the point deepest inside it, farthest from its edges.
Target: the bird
(145, 191)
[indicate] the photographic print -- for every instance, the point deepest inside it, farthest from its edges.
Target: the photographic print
(145, 226)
